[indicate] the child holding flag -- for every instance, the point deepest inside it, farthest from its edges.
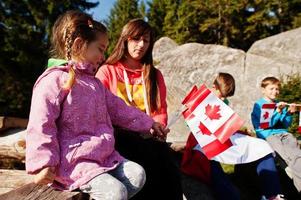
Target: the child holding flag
(271, 119)
(241, 150)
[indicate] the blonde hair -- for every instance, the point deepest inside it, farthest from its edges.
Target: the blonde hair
(271, 80)
(225, 83)
(66, 29)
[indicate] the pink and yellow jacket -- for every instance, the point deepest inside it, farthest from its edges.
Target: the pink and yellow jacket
(72, 130)
(113, 77)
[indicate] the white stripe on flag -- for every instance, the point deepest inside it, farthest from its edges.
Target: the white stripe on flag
(224, 111)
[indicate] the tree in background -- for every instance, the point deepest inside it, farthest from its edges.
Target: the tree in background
(233, 23)
(24, 38)
(156, 15)
(290, 93)
(121, 13)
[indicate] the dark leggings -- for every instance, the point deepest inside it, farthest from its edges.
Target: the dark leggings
(265, 169)
(268, 175)
(163, 180)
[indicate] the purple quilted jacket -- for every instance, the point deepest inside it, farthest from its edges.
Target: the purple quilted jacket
(72, 130)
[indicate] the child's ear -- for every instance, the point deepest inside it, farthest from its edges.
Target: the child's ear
(77, 44)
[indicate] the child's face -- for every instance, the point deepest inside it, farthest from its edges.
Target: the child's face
(271, 91)
(95, 50)
(137, 47)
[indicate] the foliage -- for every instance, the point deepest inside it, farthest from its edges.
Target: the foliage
(290, 92)
(24, 39)
(156, 14)
(233, 23)
(121, 13)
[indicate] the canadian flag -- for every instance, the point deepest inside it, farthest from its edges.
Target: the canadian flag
(210, 120)
(210, 145)
(299, 128)
(266, 114)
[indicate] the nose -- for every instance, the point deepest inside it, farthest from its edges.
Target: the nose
(141, 43)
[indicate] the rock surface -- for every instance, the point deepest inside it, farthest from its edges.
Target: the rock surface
(194, 63)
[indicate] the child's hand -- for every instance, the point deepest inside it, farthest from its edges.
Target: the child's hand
(159, 131)
(45, 176)
(280, 106)
(292, 108)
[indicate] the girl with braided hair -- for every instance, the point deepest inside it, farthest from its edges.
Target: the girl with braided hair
(70, 141)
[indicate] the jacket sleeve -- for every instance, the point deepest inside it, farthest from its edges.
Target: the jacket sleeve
(275, 118)
(42, 147)
(161, 115)
(286, 118)
(125, 116)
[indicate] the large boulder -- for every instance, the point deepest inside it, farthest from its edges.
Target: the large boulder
(194, 63)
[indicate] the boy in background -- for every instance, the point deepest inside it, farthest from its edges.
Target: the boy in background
(275, 133)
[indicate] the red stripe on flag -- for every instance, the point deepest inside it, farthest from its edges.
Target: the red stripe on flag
(228, 128)
(194, 95)
(204, 129)
(299, 129)
(193, 99)
(187, 114)
(193, 90)
(216, 147)
(264, 125)
(269, 105)
(201, 96)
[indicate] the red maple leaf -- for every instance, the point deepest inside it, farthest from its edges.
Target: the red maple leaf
(212, 111)
(266, 115)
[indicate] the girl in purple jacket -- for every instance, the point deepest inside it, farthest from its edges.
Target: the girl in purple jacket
(70, 141)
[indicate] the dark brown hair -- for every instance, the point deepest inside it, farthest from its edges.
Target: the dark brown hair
(225, 83)
(135, 29)
(270, 80)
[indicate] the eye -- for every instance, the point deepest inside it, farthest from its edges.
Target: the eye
(135, 38)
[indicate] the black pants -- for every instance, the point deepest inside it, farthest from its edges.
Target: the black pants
(162, 172)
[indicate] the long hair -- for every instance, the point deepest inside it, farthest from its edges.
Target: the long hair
(138, 28)
(66, 29)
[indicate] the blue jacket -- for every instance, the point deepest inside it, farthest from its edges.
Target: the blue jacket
(278, 124)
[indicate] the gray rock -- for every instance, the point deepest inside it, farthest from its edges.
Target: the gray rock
(193, 64)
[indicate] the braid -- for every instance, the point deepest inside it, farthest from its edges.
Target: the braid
(68, 44)
(68, 47)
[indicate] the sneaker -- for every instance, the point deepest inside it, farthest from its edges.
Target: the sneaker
(278, 197)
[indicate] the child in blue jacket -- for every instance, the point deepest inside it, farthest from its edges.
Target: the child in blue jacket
(275, 132)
